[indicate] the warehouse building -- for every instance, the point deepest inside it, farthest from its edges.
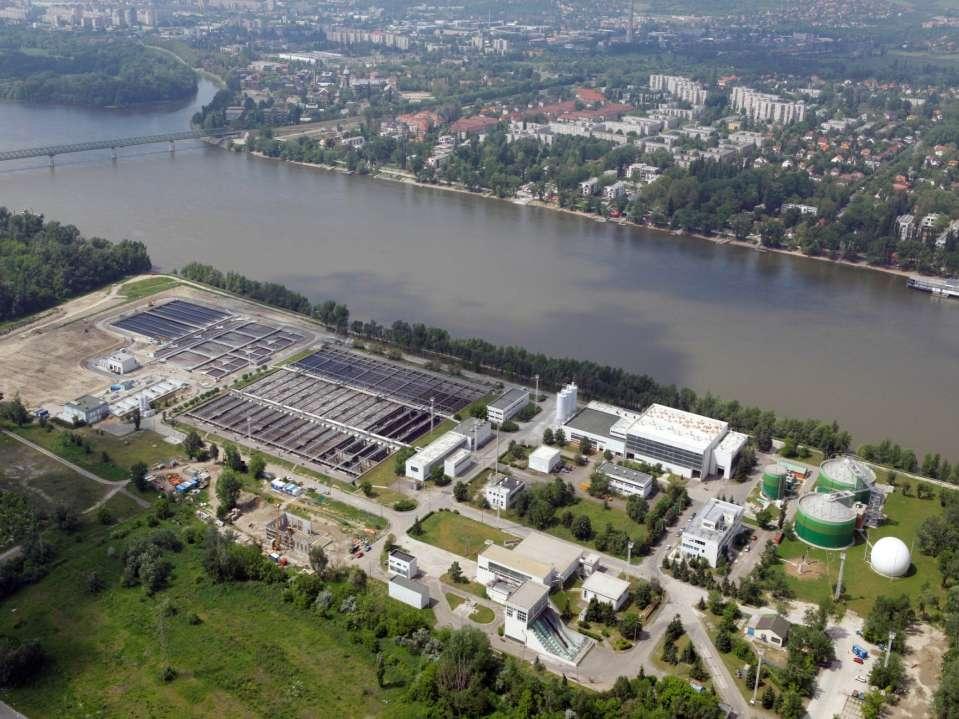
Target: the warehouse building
(85, 410)
(421, 464)
(713, 530)
(501, 492)
(508, 405)
(684, 443)
(477, 432)
(409, 591)
(606, 589)
(458, 463)
(627, 481)
(545, 459)
(539, 558)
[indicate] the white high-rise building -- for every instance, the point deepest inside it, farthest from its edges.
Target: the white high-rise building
(766, 107)
(682, 88)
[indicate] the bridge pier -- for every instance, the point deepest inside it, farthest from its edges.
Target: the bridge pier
(172, 146)
(113, 154)
(51, 161)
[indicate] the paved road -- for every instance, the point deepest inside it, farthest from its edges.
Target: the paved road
(115, 487)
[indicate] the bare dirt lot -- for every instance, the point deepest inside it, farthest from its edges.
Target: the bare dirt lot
(927, 646)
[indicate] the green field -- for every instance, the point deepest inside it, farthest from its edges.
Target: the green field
(454, 600)
(598, 518)
(44, 481)
(862, 585)
(482, 615)
(346, 512)
(124, 452)
(249, 655)
(148, 286)
(460, 535)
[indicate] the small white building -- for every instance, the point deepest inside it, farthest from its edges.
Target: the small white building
(623, 480)
(606, 589)
(87, 409)
(770, 628)
(477, 432)
(588, 187)
(416, 594)
(507, 405)
(402, 564)
(712, 531)
(458, 463)
(545, 459)
(421, 464)
(501, 492)
(121, 362)
(523, 607)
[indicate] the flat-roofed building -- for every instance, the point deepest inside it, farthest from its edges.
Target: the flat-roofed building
(477, 432)
(502, 491)
(421, 464)
(682, 442)
(624, 480)
(121, 362)
(712, 531)
(545, 459)
(458, 463)
(523, 607)
(501, 565)
(402, 564)
(409, 591)
(564, 557)
(86, 409)
(507, 405)
(606, 588)
(602, 424)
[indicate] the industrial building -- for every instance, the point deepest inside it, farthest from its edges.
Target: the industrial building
(684, 443)
(846, 474)
(458, 463)
(607, 589)
(712, 531)
(532, 621)
(121, 362)
(826, 521)
(477, 432)
(508, 405)
(409, 591)
(402, 564)
(501, 491)
(86, 410)
(565, 404)
(539, 558)
(775, 481)
(545, 459)
(420, 465)
(626, 481)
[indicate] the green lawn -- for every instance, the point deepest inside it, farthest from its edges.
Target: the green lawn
(147, 286)
(474, 588)
(145, 446)
(45, 482)
(482, 614)
(460, 535)
(454, 600)
(250, 655)
(346, 512)
(861, 583)
(598, 518)
(382, 478)
(678, 670)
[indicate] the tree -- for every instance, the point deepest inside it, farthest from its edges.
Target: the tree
(598, 484)
(891, 677)
(461, 492)
(456, 573)
(763, 516)
(213, 452)
(367, 488)
(540, 513)
(192, 444)
(630, 625)
(674, 630)
(670, 655)
(790, 705)
(136, 419)
(14, 411)
(582, 528)
(257, 466)
(723, 642)
(227, 491)
(872, 705)
(138, 476)
(548, 436)
(20, 662)
(233, 459)
(559, 437)
(637, 507)
(768, 698)
(585, 445)
(318, 560)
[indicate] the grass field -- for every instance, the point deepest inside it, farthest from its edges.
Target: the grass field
(250, 655)
(454, 600)
(482, 615)
(147, 286)
(598, 518)
(346, 512)
(124, 452)
(460, 535)
(382, 478)
(862, 585)
(474, 588)
(44, 481)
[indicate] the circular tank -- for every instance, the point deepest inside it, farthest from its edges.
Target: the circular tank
(846, 474)
(774, 481)
(890, 557)
(824, 521)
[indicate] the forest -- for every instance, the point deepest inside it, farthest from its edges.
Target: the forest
(78, 69)
(45, 263)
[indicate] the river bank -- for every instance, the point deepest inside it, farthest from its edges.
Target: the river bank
(392, 175)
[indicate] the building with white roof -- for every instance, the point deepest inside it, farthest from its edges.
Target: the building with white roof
(606, 588)
(711, 532)
(545, 459)
(420, 465)
(626, 481)
(507, 405)
(532, 621)
(501, 491)
(563, 556)
(156, 391)
(477, 432)
(458, 463)
(539, 558)
(409, 591)
(121, 362)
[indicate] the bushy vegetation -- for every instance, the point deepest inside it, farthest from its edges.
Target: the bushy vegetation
(45, 263)
(79, 69)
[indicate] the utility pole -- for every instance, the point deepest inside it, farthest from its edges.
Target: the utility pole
(496, 459)
(432, 401)
(892, 636)
(629, 552)
(536, 377)
(759, 670)
(842, 567)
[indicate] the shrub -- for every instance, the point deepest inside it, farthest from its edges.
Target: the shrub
(404, 505)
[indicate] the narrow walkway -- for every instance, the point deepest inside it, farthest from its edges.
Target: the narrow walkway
(117, 487)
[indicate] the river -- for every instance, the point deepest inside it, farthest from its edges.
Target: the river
(801, 337)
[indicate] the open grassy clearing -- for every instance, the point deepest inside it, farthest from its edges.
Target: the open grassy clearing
(680, 670)
(862, 585)
(45, 482)
(460, 535)
(474, 588)
(123, 452)
(482, 615)
(250, 654)
(345, 512)
(148, 286)
(454, 600)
